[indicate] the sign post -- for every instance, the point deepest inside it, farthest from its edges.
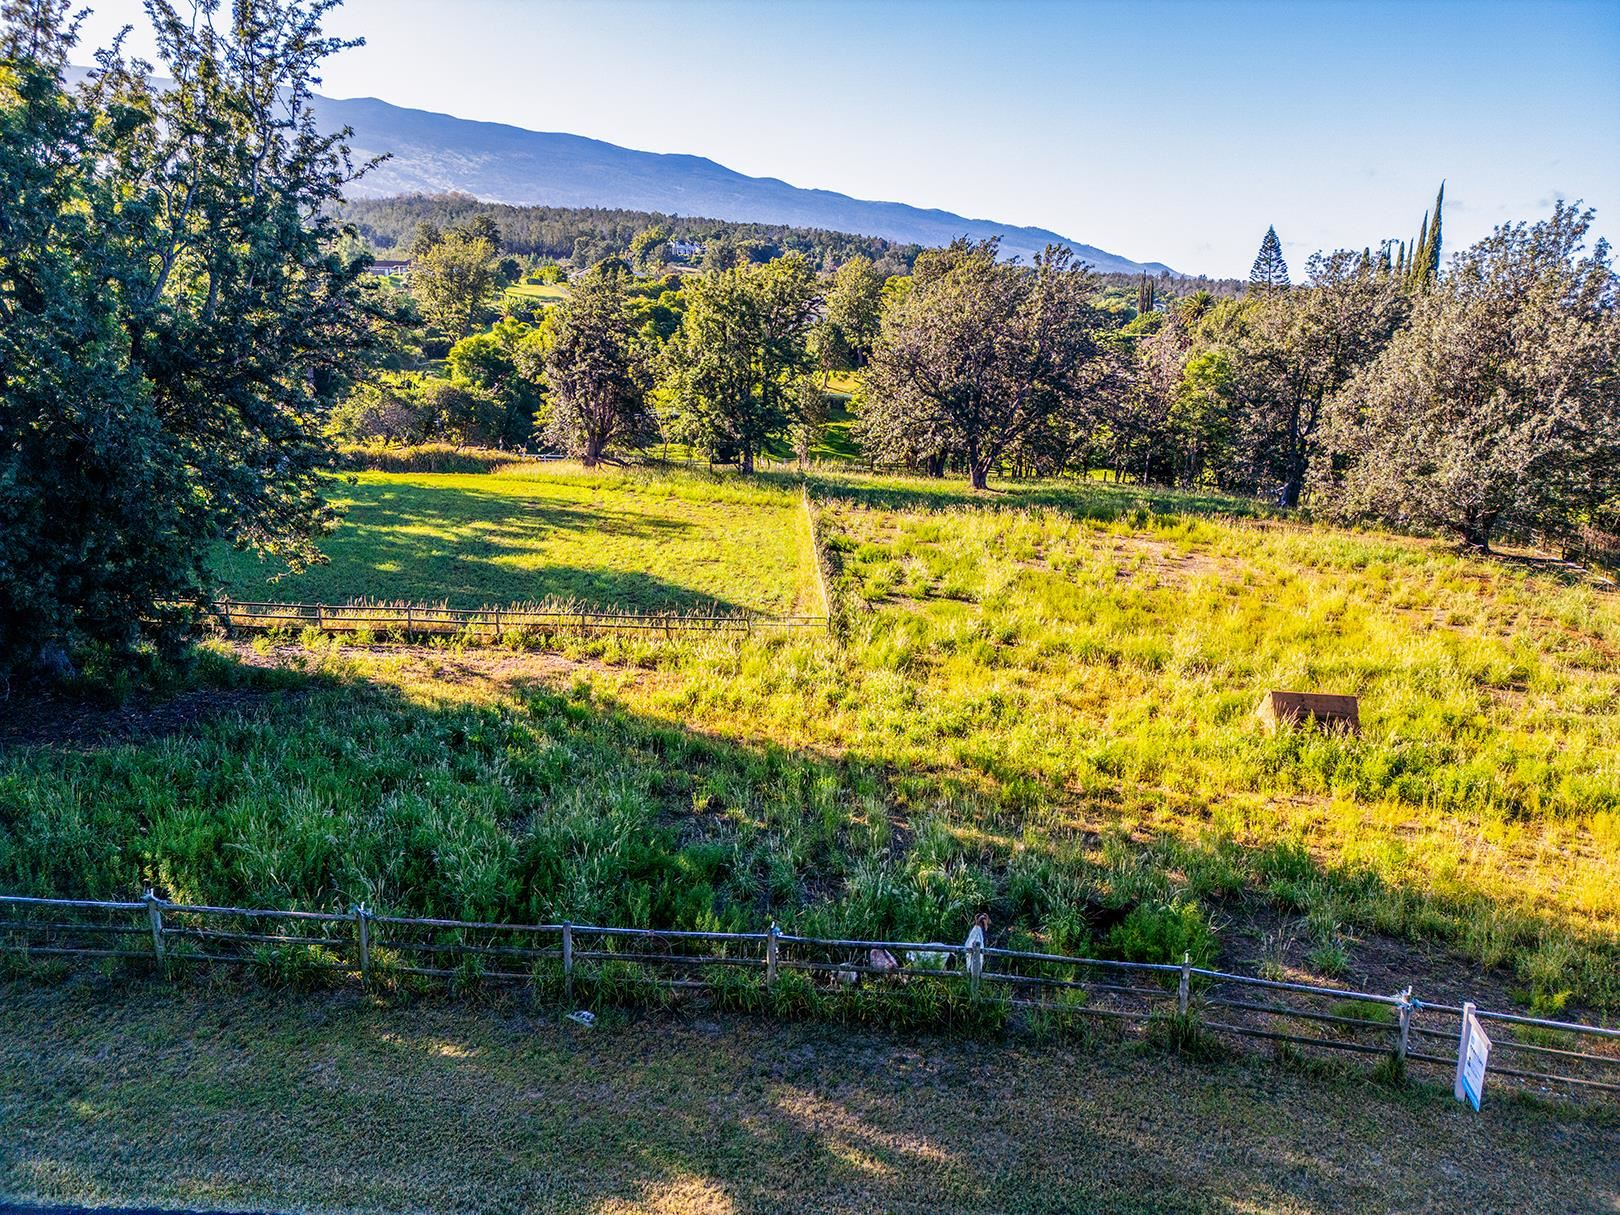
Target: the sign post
(1473, 1050)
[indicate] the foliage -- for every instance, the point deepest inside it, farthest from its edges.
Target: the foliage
(731, 371)
(453, 279)
(175, 316)
(979, 356)
(598, 370)
(1498, 408)
(1269, 274)
(583, 236)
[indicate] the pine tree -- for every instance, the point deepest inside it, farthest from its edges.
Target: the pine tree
(1270, 271)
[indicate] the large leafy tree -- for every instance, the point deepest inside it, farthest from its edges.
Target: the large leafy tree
(175, 317)
(598, 369)
(732, 371)
(1497, 409)
(453, 276)
(979, 356)
(854, 311)
(1292, 351)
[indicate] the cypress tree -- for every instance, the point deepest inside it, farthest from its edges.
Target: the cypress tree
(1414, 273)
(1429, 263)
(1270, 271)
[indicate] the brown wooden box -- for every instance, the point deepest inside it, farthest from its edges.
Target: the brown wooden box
(1309, 708)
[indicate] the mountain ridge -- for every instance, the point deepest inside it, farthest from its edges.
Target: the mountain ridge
(504, 163)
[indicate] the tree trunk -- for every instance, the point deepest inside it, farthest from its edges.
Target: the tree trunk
(978, 474)
(746, 462)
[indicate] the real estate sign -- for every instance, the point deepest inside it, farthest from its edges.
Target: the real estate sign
(1473, 1050)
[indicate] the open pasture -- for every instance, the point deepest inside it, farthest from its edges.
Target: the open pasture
(1042, 706)
(531, 532)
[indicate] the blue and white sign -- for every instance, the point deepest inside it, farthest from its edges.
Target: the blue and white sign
(1473, 1051)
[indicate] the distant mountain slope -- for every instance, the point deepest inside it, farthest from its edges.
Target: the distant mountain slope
(437, 153)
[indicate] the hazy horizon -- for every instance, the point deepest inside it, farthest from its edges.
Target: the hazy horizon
(1334, 122)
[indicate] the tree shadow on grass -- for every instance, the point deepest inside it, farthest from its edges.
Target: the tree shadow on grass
(529, 797)
(460, 547)
(1080, 499)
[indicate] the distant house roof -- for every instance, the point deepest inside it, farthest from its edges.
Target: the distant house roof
(379, 266)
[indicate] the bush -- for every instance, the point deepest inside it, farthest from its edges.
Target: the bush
(1163, 933)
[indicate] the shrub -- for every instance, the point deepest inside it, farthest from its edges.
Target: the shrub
(1163, 933)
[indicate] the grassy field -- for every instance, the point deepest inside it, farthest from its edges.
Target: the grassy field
(676, 541)
(545, 293)
(219, 1099)
(1042, 707)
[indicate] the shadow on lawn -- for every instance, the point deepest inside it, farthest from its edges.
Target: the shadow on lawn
(458, 545)
(534, 800)
(1081, 499)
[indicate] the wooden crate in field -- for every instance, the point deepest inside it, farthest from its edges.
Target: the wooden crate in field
(1309, 708)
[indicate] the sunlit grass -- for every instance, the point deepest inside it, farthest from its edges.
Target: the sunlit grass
(528, 532)
(1042, 705)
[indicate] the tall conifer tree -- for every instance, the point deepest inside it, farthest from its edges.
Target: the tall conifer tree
(1270, 271)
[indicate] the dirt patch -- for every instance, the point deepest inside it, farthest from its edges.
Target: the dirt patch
(49, 719)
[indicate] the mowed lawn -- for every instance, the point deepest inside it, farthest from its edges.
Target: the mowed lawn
(211, 1098)
(523, 534)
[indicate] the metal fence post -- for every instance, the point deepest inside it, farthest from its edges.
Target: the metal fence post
(154, 916)
(1405, 1010)
(770, 953)
(568, 961)
(362, 932)
(1184, 988)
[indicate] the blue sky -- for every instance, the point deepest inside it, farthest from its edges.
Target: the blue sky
(1169, 130)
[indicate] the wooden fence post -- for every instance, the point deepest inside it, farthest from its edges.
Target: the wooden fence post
(410, 626)
(1184, 988)
(568, 961)
(1405, 1009)
(975, 965)
(770, 953)
(320, 616)
(362, 932)
(154, 917)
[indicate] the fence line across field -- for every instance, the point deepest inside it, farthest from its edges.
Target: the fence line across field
(423, 618)
(364, 944)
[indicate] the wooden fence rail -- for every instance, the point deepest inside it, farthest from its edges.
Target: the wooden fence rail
(360, 943)
(416, 619)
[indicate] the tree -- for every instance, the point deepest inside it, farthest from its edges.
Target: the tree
(854, 310)
(1424, 269)
(453, 278)
(492, 362)
(1270, 272)
(175, 318)
(649, 248)
(979, 355)
(1291, 353)
(1497, 409)
(598, 370)
(732, 369)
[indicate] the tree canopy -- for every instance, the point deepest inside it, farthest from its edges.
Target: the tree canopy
(176, 315)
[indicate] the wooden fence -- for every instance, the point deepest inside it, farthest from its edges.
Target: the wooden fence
(559, 958)
(419, 619)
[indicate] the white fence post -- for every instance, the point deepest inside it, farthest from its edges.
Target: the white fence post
(154, 916)
(568, 961)
(1405, 1010)
(1184, 988)
(770, 953)
(362, 932)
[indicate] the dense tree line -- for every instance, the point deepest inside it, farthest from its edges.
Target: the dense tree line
(583, 236)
